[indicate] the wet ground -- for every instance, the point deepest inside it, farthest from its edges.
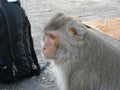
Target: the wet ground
(39, 13)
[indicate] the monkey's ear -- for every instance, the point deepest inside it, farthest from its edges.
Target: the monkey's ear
(73, 31)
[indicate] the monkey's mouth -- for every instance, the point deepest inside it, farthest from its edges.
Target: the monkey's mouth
(48, 55)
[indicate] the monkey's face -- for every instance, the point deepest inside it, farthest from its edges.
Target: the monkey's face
(50, 44)
(55, 42)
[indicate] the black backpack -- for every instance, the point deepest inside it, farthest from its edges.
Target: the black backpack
(17, 55)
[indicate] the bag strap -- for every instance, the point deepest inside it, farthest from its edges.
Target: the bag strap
(10, 22)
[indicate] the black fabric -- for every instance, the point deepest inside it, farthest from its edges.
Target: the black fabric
(17, 54)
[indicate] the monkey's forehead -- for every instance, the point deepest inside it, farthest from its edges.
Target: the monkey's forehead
(50, 31)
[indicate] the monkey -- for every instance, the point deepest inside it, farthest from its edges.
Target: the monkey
(81, 59)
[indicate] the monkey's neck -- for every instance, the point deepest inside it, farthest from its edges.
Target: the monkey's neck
(64, 71)
(61, 77)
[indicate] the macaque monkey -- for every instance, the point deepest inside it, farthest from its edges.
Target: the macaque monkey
(82, 60)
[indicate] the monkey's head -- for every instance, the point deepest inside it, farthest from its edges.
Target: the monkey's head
(62, 34)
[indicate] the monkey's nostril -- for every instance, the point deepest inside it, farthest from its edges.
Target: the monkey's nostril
(44, 48)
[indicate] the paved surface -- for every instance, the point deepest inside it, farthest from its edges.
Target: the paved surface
(39, 13)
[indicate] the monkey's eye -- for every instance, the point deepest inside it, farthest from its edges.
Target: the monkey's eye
(52, 36)
(74, 33)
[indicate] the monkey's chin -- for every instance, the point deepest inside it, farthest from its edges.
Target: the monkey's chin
(50, 57)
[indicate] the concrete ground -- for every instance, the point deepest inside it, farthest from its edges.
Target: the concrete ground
(39, 13)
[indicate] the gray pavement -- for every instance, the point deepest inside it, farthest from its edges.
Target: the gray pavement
(39, 13)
